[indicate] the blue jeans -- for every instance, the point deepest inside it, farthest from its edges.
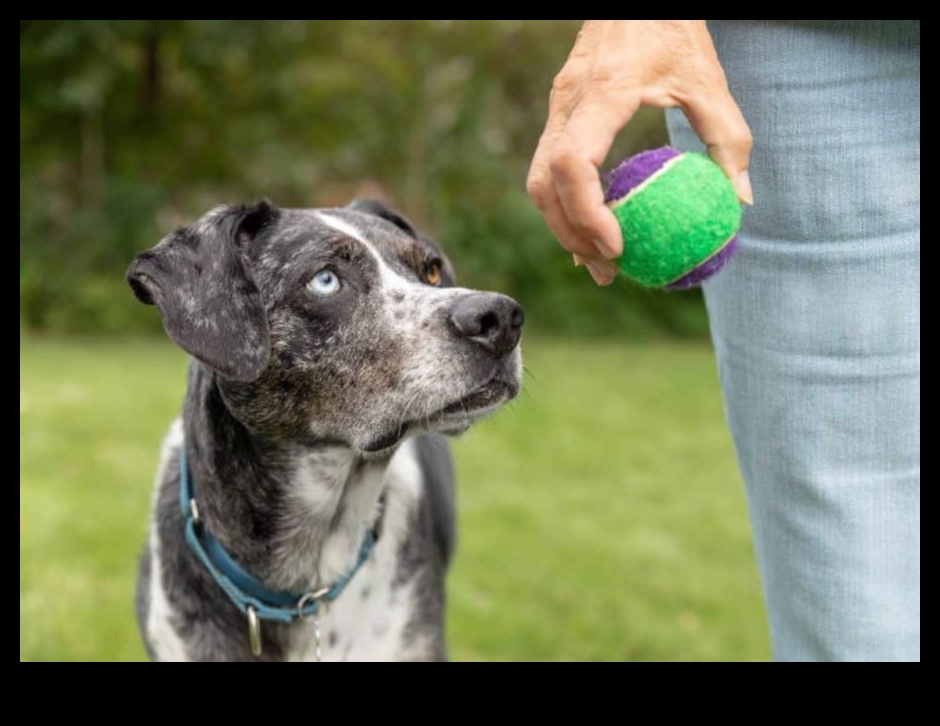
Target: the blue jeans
(816, 326)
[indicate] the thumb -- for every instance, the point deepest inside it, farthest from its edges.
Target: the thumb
(720, 124)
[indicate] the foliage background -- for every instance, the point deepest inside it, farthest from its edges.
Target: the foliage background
(131, 128)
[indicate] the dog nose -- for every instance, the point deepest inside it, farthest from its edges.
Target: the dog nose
(494, 321)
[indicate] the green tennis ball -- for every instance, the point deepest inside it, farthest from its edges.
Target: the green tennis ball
(679, 216)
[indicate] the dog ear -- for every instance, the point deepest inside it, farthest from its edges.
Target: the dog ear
(199, 279)
(380, 209)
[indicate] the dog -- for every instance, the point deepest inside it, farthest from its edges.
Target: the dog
(331, 357)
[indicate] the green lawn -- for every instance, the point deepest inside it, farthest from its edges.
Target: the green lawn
(601, 515)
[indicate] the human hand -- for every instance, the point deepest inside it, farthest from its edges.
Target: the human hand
(615, 67)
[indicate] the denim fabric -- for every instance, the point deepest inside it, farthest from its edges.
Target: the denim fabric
(816, 326)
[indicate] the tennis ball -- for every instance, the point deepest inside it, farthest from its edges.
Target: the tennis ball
(679, 216)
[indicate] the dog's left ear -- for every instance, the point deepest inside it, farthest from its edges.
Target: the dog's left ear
(381, 209)
(200, 280)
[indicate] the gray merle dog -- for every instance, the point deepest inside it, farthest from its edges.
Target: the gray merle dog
(304, 502)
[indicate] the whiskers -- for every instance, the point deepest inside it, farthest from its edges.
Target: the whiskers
(512, 408)
(526, 375)
(406, 409)
(442, 411)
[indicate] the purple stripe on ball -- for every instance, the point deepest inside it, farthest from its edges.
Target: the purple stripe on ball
(707, 268)
(632, 172)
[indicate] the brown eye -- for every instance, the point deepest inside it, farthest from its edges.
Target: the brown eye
(432, 273)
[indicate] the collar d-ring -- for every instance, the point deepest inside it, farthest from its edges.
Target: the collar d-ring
(311, 597)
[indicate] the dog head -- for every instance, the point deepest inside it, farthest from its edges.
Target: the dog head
(339, 325)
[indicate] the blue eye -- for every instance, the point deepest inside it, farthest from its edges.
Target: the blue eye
(324, 283)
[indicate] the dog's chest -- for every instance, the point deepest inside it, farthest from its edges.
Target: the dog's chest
(372, 618)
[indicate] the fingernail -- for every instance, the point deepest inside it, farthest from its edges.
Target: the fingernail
(742, 185)
(578, 262)
(600, 275)
(595, 275)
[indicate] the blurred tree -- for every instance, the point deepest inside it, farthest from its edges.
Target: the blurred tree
(130, 128)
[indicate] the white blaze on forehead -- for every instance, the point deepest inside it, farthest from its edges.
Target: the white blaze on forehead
(389, 276)
(341, 225)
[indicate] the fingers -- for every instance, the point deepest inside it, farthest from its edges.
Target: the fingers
(539, 185)
(581, 197)
(565, 184)
(544, 193)
(592, 235)
(542, 190)
(579, 150)
(719, 122)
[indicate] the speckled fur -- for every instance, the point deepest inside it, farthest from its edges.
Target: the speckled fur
(301, 412)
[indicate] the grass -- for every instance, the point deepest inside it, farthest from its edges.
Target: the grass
(601, 516)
